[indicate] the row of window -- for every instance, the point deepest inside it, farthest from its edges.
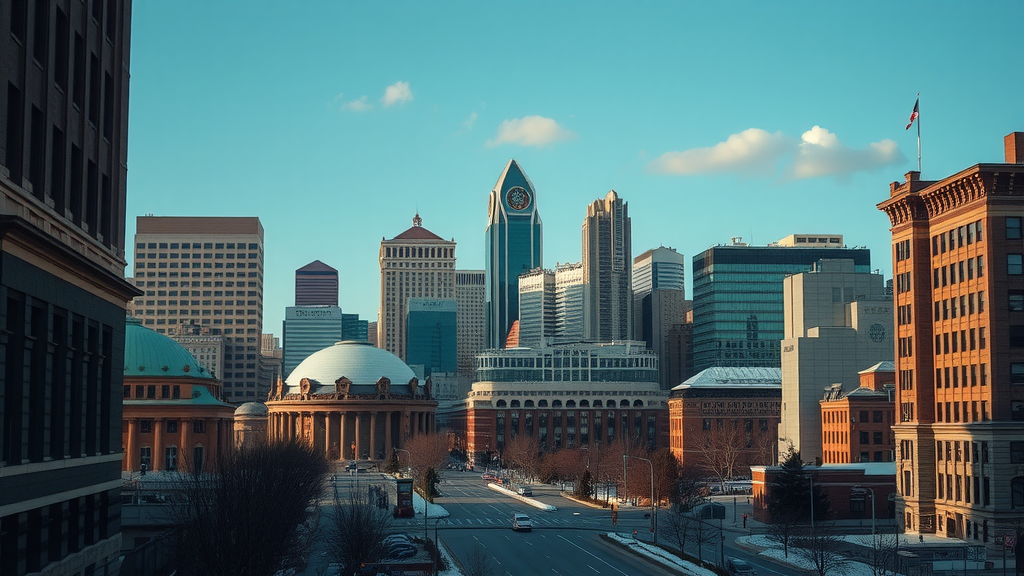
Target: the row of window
(961, 341)
(958, 237)
(957, 376)
(196, 246)
(170, 426)
(956, 488)
(196, 255)
(166, 391)
(418, 252)
(957, 450)
(952, 412)
(142, 274)
(186, 265)
(957, 272)
(569, 404)
(963, 305)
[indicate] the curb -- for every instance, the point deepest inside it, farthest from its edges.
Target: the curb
(568, 496)
(663, 565)
(530, 501)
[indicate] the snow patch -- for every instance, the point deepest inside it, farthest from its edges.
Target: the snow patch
(530, 501)
(660, 555)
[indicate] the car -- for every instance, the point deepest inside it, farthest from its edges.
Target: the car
(737, 567)
(521, 522)
(488, 477)
(524, 491)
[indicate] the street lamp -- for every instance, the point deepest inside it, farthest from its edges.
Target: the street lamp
(654, 510)
(407, 452)
(860, 490)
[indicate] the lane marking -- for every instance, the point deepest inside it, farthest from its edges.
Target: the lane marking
(594, 569)
(594, 555)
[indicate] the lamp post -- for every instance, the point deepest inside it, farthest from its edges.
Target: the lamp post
(861, 490)
(654, 510)
(409, 463)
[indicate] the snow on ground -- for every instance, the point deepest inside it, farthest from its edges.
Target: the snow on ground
(774, 551)
(530, 501)
(433, 510)
(449, 561)
(660, 555)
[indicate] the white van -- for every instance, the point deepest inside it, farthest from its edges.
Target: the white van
(521, 522)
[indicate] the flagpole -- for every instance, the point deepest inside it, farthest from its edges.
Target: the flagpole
(918, 132)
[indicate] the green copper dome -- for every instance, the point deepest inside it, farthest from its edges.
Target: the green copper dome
(147, 353)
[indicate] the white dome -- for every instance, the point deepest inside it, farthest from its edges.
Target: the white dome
(360, 362)
(251, 409)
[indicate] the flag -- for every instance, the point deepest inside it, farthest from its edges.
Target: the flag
(914, 114)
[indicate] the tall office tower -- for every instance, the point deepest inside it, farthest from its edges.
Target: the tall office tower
(63, 153)
(352, 328)
(837, 322)
(471, 297)
(415, 264)
(371, 332)
(958, 259)
(536, 307)
(737, 296)
(271, 358)
(513, 246)
(570, 302)
(206, 349)
(606, 265)
(431, 335)
(308, 329)
(659, 303)
(206, 272)
(269, 344)
(316, 284)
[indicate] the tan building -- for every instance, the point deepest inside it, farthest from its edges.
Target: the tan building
(471, 319)
(351, 400)
(959, 294)
(608, 269)
(415, 264)
(250, 424)
(206, 273)
(173, 416)
(856, 425)
(207, 350)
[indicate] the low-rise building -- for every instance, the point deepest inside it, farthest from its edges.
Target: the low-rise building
(856, 426)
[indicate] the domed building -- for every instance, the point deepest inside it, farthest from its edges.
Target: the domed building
(173, 417)
(250, 424)
(351, 400)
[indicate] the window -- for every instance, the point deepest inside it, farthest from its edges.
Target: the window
(1016, 300)
(146, 426)
(1013, 228)
(172, 426)
(198, 426)
(146, 457)
(1017, 373)
(864, 437)
(1017, 452)
(171, 458)
(877, 438)
(1014, 264)
(1017, 492)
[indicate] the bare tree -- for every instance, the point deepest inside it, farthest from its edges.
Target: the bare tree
(477, 563)
(427, 452)
(701, 531)
(666, 474)
(522, 455)
(882, 556)
(689, 494)
(357, 529)
(723, 448)
(820, 548)
(244, 519)
(764, 447)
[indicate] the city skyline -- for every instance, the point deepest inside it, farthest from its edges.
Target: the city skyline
(306, 151)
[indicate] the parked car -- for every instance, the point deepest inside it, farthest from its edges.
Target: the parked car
(737, 567)
(521, 522)
(488, 477)
(524, 491)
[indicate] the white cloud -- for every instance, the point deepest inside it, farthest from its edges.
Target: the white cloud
(468, 124)
(530, 131)
(360, 105)
(753, 152)
(820, 153)
(756, 152)
(397, 93)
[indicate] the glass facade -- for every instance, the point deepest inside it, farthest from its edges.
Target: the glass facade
(582, 363)
(309, 329)
(738, 300)
(431, 330)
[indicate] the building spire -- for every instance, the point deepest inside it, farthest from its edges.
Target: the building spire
(416, 220)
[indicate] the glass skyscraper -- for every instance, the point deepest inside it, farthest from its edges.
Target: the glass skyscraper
(513, 246)
(431, 329)
(536, 307)
(738, 317)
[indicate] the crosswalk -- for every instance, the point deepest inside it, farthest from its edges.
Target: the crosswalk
(537, 522)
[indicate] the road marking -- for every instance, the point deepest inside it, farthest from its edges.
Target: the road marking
(594, 569)
(595, 556)
(556, 572)
(481, 544)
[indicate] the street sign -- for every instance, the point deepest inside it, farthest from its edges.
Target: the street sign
(1009, 541)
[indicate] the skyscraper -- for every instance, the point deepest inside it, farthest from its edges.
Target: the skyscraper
(737, 296)
(415, 264)
(607, 259)
(430, 335)
(958, 259)
(471, 297)
(513, 246)
(659, 304)
(316, 284)
(308, 329)
(536, 307)
(570, 302)
(206, 272)
(63, 158)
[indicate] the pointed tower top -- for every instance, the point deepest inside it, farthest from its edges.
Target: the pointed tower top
(416, 220)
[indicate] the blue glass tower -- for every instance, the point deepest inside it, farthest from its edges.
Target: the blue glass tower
(513, 244)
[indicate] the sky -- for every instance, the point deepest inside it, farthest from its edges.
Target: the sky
(335, 122)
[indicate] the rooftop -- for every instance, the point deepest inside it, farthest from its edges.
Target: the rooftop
(734, 376)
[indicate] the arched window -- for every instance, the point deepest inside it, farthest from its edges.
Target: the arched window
(584, 403)
(501, 404)
(570, 404)
(542, 403)
(597, 404)
(528, 404)
(514, 404)
(556, 403)
(171, 458)
(638, 403)
(624, 404)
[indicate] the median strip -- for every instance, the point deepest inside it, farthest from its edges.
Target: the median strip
(530, 501)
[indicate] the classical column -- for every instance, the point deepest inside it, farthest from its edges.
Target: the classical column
(159, 427)
(292, 419)
(131, 451)
(186, 431)
(355, 440)
(388, 447)
(327, 434)
(373, 435)
(342, 446)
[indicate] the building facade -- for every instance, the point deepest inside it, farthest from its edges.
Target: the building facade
(316, 284)
(352, 401)
(659, 304)
(431, 335)
(308, 329)
(471, 319)
(63, 167)
(607, 259)
(536, 307)
(570, 302)
(856, 425)
(207, 350)
(513, 246)
(837, 322)
(566, 396)
(353, 328)
(206, 272)
(415, 264)
(957, 253)
(724, 417)
(737, 297)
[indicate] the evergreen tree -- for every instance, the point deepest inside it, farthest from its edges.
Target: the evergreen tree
(392, 466)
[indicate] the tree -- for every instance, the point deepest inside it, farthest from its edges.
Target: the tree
(820, 548)
(882, 556)
(477, 563)
(428, 484)
(522, 455)
(244, 519)
(689, 494)
(789, 501)
(392, 466)
(426, 451)
(721, 451)
(666, 474)
(585, 486)
(357, 529)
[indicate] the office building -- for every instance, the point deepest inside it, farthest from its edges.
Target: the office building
(737, 297)
(371, 332)
(659, 304)
(206, 272)
(316, 284)
(471, 298)
(431, 335)
(415, 264)
(536, 307)
(208, 350)
(958, 258)
(513, 246)
(352, 328)
(63, 157)
(570, 302)
(308, 329)
(607, 259)
(856, 425)
(837, 321)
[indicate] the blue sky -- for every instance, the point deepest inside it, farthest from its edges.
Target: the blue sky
(334, 122)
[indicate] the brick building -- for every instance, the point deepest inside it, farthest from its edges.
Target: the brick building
(856, 426)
